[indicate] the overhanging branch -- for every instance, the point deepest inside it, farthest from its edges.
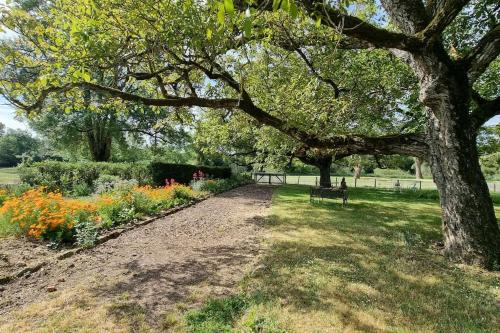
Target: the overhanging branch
(486, 109)
(487, 50)
(442, 16)
(348, 25)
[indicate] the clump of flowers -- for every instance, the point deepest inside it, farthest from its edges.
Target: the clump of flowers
(47, 215)
(169, 182)
(198, 175)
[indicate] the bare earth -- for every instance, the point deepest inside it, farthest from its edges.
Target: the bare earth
(208, 246)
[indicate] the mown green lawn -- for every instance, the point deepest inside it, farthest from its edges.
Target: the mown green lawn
(9, 176)
(367, 267)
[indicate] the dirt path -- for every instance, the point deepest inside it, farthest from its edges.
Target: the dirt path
(208, 245)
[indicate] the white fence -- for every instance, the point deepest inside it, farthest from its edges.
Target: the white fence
(376, 182)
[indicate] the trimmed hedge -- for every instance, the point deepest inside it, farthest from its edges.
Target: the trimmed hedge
(64, 176)
(183, 173)
(69, 177)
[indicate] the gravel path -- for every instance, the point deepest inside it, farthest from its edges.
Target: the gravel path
(208, 245)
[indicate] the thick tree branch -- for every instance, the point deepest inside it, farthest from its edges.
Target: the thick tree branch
(348, 25)
(442, 16)
(409, 15)
(487, 50)
(486, 109)
(166, 101)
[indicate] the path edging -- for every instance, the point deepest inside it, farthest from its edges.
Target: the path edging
(6, 279)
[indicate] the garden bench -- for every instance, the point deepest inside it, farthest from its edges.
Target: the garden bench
(329, 193)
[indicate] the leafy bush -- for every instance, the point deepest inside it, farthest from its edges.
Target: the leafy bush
(64, 176)
(81, 190)
(220, 185)
(105, 183)
(86, 233)
(183, 173)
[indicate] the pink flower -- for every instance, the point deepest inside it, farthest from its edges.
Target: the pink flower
(166, 182)
(172, 181)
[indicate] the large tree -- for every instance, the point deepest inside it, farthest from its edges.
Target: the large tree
(177, 54)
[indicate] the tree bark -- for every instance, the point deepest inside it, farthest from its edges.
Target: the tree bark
(470, 228)
(99, 137)
(418, 168)
(357, 171)
(100, 147)
(324, 173)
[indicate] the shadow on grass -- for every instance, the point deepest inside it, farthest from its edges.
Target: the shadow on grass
(370, 265)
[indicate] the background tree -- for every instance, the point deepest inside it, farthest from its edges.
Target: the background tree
(16, 144)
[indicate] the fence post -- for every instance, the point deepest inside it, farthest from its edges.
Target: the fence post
(336, 184)
(355, 181)
(494, 187)
(298, 180)
(316, 181)
(420, 184)
(375, 182)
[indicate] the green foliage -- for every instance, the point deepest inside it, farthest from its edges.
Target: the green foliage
(7, 228)
(64, 176)
(86, 233)
(183, 173)
(221, 185)
(490, 164)
(82, 190)
(14, 145)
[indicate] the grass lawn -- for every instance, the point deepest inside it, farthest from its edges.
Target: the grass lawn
(9, 176)
(368, 267)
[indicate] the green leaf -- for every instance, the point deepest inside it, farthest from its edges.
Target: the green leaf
(209, 33)
(285, 5)
(294, 11)
(247, 27)
(318, 21)
(276, 4)
(229, 7)
(221, 13)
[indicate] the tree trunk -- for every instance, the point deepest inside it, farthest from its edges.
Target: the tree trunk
(100, 147)
(471, 233)
(357, 171)
(324, 174)
(418, 168)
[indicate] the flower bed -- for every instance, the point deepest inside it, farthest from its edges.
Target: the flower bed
(42, 214)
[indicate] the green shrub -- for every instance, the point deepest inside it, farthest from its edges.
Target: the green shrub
(81, 190)
(105, 183)
(115, 212)
(64, 176)
(182, 193)
(86, 233)
(183, 173)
